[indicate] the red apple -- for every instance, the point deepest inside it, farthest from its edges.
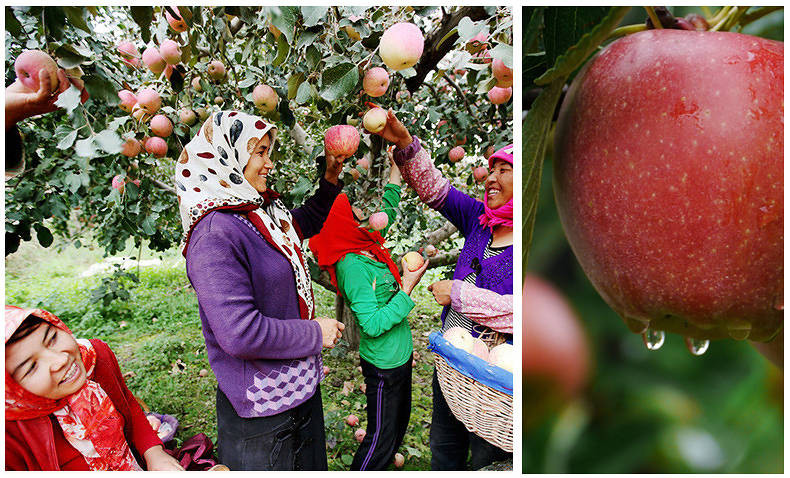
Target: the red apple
(129, 53)
(430, 250)
(401, 46)
(28, 65)
(360, 434)
(218, 100)
(176, 23)
(161, 126)
(128, 100)
(139, 114)
(216, 70)
(149, 100)
(456, 154)
(413, 260)
(118, 183)
(503, 74)
(499, 95)
(341, 140)
(376, 81)
(187, 116)
(170, 51)
(131, 148)
(153, 60)
(156, 146)
(378, 221)
(327, 370)
(477, 43)
(364, 162)
(352, 420)
(265, 98)
(196, 84)
(489, 151)
(669, 159)
(399, 460)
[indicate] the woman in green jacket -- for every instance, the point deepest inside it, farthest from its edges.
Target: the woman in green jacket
(365, 274)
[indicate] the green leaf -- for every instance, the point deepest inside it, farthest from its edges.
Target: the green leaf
(85, 148)
(407, 72)
(282, 51)
(306, 38)
(148, 226)
(529, 39)
(313, 57)
(347, 459)
(68, 140)
(304, 93)
(76, 16)
(55, 22)
(12, 25)
(72, 182)
(247, 82)
(339, 81)
(503, 52)
(43, 235)
(467, 29)
(293, 84)
(532, 65)
(571, 26)
(69, 99)
(68, 56)
(102, 89)
(313, 15)
(536, 129)
(284, 18)
(143, 16)
(109, 141)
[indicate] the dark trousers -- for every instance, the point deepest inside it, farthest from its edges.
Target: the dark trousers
(451, 442)
(389, 406)
(291, 440)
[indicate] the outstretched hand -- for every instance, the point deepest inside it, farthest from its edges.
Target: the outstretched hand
(334, 165)
(21, 102)
(395, 132)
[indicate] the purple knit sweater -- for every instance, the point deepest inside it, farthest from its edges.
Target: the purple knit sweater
(495, 273)
(266, 358)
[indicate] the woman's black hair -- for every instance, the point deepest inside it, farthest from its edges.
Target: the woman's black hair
(26, 328)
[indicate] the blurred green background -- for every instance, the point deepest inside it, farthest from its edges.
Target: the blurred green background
(643, 411)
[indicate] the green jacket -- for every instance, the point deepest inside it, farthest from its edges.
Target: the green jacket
(378, 303)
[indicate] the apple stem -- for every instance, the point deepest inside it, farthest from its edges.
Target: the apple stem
(654, 18)
(87, 122)
(627, 30)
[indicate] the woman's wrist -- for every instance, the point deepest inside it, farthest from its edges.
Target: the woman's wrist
(404, 142)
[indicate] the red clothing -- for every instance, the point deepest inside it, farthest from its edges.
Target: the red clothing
(38, 445)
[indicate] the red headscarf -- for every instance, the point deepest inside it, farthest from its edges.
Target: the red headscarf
(341, 235)
(89, 421)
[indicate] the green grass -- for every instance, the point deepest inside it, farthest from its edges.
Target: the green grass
(157, 337)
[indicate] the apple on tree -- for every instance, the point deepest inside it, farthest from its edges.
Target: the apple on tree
(669, 162)
(456, 154)
(480, 174)
(376, 81)
(265, 98)
(499, 95)
(401, 46)
(170, 52)
(177, 22)
(28, 65)
(153, 60)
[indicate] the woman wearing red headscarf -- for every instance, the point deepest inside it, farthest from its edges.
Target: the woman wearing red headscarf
(66, 404)
(366, 276)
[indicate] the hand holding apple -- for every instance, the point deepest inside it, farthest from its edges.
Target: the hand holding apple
(412, 277)
(441, 291)
(395, 132)
(22, 103)
(334, 165)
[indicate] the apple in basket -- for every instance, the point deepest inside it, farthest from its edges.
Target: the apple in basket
(460, 338)
(502, 356)
(479, 349)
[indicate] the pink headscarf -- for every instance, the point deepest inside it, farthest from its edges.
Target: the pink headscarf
(503, 215)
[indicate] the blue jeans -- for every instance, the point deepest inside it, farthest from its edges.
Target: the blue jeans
(451, 442)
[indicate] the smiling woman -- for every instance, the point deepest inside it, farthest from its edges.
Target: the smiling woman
(66, 404)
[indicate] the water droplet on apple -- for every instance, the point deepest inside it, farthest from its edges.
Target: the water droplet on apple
(739, 330)
(637, 326)
(653, 339)
(697, 346)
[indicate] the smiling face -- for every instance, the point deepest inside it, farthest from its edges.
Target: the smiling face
(499, 184)
(46, 363)
(259, 165)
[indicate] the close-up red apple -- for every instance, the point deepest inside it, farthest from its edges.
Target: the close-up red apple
(28, 65)
(341, 140)
(401, 45)
(376, 81)
(265, 98)
(669, 160)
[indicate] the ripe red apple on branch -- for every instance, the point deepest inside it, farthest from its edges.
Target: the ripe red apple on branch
(669, 159)
(265, 98)
(401, 46)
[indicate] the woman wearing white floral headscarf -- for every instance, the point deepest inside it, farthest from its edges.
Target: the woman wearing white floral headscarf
(244, 259)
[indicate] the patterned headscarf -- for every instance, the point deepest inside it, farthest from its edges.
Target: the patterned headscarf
(503, 215)
(88, 418)
(210, 176)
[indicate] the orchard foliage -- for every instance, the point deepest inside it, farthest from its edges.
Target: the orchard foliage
(314, 58)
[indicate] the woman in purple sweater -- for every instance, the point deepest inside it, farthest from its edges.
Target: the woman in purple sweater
(244, 259)
(480, 296)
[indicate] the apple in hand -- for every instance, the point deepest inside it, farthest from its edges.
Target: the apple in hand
(375, 119)
(341, 140)
(28, 65)
(413, 260)
(668, 174)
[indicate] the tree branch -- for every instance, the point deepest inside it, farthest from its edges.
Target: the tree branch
(432, 54)
(441, 234)
(163, 186)
(460, 92)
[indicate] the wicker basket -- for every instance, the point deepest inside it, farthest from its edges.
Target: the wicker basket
(484, 411)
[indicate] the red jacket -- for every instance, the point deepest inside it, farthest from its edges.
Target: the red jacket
(38, 445)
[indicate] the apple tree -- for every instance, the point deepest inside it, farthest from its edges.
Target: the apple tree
(299, 67)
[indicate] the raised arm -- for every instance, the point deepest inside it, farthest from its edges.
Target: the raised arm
(310, 217)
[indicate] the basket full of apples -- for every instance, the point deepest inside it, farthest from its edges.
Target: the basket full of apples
(476, 378)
